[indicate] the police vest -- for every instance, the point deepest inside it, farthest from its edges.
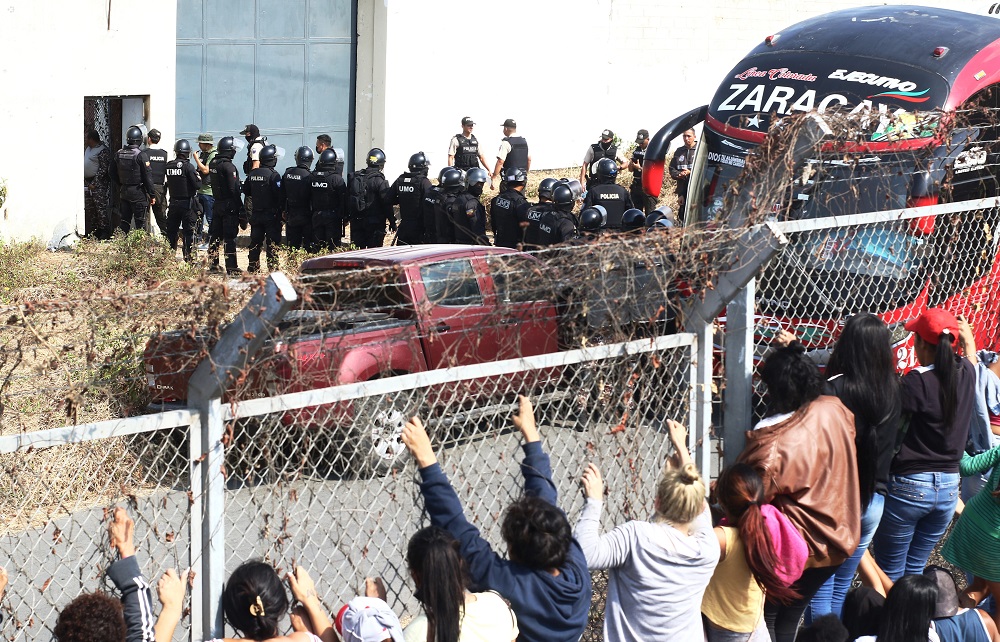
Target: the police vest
(613, 198)
(638, 155)
(517, 157)
(298, 187)
(533, 217)
(555, 227)
(221, 171)
(467, 153)
(599, 152)
(248, 163)
(264, 189)
(325, 195)
(179, 180)
(157, 165)
(409, 193)
(127, 162)
(503, 212)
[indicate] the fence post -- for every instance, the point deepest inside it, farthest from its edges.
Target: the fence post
(700, 430)
(239, 342)
(738, 360)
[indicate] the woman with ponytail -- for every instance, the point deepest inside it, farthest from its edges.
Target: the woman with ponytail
(450, 612)
(658, 570)
(254, 603)
(750, 568)
(862, 374)
(938, 402)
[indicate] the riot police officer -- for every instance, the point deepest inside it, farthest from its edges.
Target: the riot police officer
(451, 184)
(369, 202)
(558, 224)
(263, 185)
(228, 215)
(592, 221)
(604, 148)
(408, 191)
(296, 186)
(633, 220)
(508, 209)
(606, 192)
(132, 178)
(466, 211)
(183, 183)
(533, 214)
(327, 198)
(157, 160)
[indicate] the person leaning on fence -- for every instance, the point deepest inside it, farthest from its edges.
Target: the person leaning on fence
(658, 570)
(546, 578)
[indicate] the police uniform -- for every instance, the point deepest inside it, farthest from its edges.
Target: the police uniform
(263, 185)
(408, 191)
(433, 203)
(466, 152)
(517, 157)
(507, 210)
(157, 159)
(296, 185)
(532, 217)
(683, 159)
(131, 175)
(614, 198)
(640, 198)
(468, 219)
(327, 195)
(596, 152)
(183, 183)
(556, 226)
(368, 225)
(228, 213)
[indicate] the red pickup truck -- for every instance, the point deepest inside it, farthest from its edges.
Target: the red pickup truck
(377, 313)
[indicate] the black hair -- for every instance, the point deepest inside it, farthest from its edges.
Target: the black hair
(250, 582)
(537, 533)
(94, 136)
(863, 356)
(826, 628)
(792, 380)
(862, 612)
(946, 369)
(908, 610)
(435, 558)
(325, 138)
(92, 617)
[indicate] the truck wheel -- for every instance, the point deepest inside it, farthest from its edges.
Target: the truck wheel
(379, 430)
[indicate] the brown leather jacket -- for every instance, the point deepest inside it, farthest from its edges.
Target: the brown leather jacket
(810, 474)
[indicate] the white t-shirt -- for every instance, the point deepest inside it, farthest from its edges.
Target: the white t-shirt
(90, 162)
(487, 619)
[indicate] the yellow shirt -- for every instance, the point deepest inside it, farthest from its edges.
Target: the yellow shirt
(733, 599)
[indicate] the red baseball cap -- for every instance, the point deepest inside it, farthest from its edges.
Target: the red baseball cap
(932, 324)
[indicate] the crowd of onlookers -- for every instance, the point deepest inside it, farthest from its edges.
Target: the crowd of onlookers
(846, 460)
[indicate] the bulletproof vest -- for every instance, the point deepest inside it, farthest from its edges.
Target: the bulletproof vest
(532, 234)
(127, 162)
(599, 152)
(264, 189)
(157, 165)
(220, 170)
(613, 199)
(297, 183)
(410, 194)
(467, 154)
(517, 158)
(470, 227)
(503, 211)
(178, 181)
(248, 163)
(638, 155)
(325, 195)
(555, 226)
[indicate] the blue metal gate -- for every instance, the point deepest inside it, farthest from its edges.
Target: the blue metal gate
(285, 65)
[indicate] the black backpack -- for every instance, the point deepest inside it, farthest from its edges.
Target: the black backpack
(359, 196)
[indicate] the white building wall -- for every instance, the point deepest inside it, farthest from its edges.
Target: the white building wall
(54, 54)
(567, 69)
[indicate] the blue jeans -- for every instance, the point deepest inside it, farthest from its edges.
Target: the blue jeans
(918, 509)
(207, 203)
(830, 597)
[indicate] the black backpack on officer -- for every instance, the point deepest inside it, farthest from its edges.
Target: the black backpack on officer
(359, 196)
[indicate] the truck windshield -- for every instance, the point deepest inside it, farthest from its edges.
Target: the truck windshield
(719, 161)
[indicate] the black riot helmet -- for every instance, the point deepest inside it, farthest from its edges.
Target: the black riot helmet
(592, 219)
(327, 160)
(633, 219)
(451, 179)
(418, 163)
(183, 149)
(545, 188)
(517, 176)
(268, 156)
(607, 170)
(563, 197)
(476, 180)
(133, 136)
(661, 218)
(304, 156)
(226, 148)
(376, 158)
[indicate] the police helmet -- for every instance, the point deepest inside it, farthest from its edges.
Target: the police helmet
(133, 136)
(451, 179)
(545, 188)
(304, 156)
(183, 149)
(516, 175)
(575, 186)
(661, 218)
(592, 219)
(476, 176)
(227, 147)
(418, 163)
(607, 170)
(376, 158)
(633, 219)
(327, 160)
(268, 156)
(563, 196)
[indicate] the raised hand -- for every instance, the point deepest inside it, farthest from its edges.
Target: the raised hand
(416, 439)
(524, 420)
(593, 483)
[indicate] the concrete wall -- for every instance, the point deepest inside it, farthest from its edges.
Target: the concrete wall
(55, 54)
(566, 70)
